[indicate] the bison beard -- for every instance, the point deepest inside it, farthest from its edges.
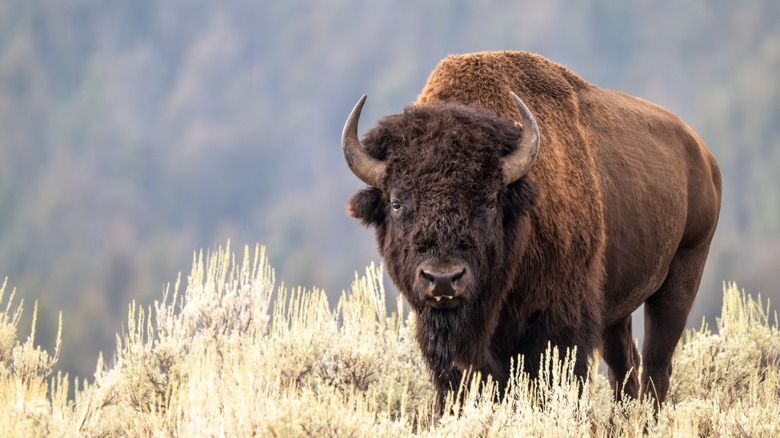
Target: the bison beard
(618, 210)
(447, 338)
(439, 338)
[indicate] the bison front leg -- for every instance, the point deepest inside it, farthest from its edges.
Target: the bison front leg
(548, 331)
(622, 357)
(457, 381)
(446, 381)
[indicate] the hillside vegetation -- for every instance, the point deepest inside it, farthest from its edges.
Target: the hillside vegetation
(232, 354)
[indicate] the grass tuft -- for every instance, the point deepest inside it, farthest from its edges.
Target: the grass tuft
(221, 357)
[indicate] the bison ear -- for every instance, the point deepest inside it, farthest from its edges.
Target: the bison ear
(366, 206)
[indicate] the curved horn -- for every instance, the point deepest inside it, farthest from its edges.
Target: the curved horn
(370, 170)
(519, 162)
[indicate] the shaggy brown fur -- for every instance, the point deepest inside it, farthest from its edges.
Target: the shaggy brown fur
(618, 209)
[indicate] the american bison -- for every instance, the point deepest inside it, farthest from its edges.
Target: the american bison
(510, 221)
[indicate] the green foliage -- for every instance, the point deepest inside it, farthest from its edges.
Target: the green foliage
(220, 359)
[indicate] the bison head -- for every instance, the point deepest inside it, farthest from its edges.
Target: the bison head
(447, 198)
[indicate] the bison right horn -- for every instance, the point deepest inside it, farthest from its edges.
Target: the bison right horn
(370, 170)
(519, 162)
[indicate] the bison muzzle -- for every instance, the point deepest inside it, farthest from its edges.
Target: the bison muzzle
(513, 221)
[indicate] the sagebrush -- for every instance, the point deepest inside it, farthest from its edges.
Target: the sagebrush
(232, 354)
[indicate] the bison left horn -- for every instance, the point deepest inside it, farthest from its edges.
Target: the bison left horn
(370, 170)
(519, 161)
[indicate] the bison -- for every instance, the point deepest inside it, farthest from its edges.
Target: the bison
(516, 205)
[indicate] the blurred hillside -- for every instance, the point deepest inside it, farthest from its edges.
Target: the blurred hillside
(134, 132)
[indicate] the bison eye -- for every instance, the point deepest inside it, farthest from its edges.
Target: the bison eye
(491, 205)
(395, 204)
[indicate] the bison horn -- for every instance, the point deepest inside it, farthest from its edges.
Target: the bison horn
(370, 170)
(519, 162)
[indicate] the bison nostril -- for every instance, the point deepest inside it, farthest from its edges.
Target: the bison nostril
(443, 284)
(457, 277)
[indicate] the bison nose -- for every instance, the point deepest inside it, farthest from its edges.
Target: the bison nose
(443, 283)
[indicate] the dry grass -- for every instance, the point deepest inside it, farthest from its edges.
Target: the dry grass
(218, 359)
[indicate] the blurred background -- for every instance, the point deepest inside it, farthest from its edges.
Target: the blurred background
(135, 132)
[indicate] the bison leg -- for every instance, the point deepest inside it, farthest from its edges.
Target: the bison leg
(666, 312)
(445, 382)
(622, 357)
(585, 338)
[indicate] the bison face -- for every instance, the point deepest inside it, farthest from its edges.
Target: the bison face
(448, 199)
(435, 236)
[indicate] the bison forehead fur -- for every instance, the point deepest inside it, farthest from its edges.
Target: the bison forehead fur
(443, 146)
(617, 210)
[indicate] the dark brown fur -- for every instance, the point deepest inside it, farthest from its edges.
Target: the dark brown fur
(618, 209)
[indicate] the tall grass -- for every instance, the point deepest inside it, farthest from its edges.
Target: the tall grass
(232, 354)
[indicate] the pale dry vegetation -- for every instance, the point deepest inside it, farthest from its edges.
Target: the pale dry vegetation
(232, 354)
